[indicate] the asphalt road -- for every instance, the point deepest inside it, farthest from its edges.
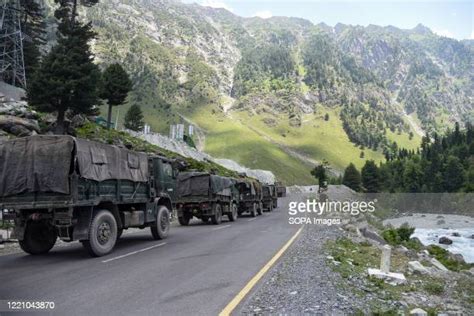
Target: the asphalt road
(197, 270)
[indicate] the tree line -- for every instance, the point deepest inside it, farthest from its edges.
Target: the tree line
(442, 164)
(65, 80)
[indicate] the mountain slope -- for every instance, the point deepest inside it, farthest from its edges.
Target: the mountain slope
(271, 82)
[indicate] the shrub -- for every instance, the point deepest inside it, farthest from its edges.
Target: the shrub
(434, 288)
(398, 236)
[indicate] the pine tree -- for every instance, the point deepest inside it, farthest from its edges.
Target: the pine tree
(67, 78)
(453, 175)
(352, 178)
(115, 85)
(412, 177)
(33, 27)
(370, 177)
(134, 118)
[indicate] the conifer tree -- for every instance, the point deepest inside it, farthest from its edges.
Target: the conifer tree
(115, 85)
(352, 178)
(33, 27)
(370, 177)
(67, 78)
(134, 118)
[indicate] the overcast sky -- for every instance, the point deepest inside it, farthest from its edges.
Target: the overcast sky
(452, 18)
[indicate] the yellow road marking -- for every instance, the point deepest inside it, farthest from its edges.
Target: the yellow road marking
(248, 287)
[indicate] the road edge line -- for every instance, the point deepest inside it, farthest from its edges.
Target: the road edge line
(254, 280)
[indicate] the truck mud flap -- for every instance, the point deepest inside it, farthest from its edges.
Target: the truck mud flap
(81, 229)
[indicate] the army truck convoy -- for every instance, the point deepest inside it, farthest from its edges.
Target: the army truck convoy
(74, 189)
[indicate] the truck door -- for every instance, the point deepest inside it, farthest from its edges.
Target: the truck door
(165, 178)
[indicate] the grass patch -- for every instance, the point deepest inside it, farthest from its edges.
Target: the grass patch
(231, 139)
(443, 256)
(434, 287)
(316, 138)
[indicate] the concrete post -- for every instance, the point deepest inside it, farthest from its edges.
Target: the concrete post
(385, 260)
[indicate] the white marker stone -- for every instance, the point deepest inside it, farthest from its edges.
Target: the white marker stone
(385, 260)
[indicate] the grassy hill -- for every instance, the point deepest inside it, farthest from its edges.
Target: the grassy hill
(267, 141)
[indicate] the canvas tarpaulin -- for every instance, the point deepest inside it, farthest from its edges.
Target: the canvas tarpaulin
(199, 183)
(35, 164)
(101, 162)
(43, 163)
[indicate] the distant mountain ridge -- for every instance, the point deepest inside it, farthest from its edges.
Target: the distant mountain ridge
(380, 84)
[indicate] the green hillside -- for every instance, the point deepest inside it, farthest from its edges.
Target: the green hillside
(283, 76)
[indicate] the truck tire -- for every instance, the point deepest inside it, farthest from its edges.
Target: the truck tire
(216, 217)
(39, 238)
(253, 211)
(233, 212)
(161, 227)
(184, 220)
(102, 234)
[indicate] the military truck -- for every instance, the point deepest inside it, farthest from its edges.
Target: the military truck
(250, 201)
(269, 197)
(207, 197)
(74, 189)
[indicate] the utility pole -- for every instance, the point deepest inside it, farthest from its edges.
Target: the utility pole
(12, 64)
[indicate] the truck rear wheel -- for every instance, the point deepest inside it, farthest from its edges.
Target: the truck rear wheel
(161, 227)
(102, 234)
(39, 238)
(216, 218)
(233, 213)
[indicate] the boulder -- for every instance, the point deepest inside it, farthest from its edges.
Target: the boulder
(78, 121)
(372, 235)
(440, 222)
(438, 265)
(18, 126)
(445, 241)
(456, 234)
(418, 312)
(456, 257)
(416, 267)
(390, 277)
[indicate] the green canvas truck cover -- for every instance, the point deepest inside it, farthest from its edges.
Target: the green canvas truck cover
(35, 164)
(43, 163)
(101, 162)
(199, 183)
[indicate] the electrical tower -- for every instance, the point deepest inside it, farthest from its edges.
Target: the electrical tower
(12, 64)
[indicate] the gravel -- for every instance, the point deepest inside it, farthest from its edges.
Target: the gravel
(303, 282)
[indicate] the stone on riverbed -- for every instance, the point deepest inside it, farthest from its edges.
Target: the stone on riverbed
(445, 241)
